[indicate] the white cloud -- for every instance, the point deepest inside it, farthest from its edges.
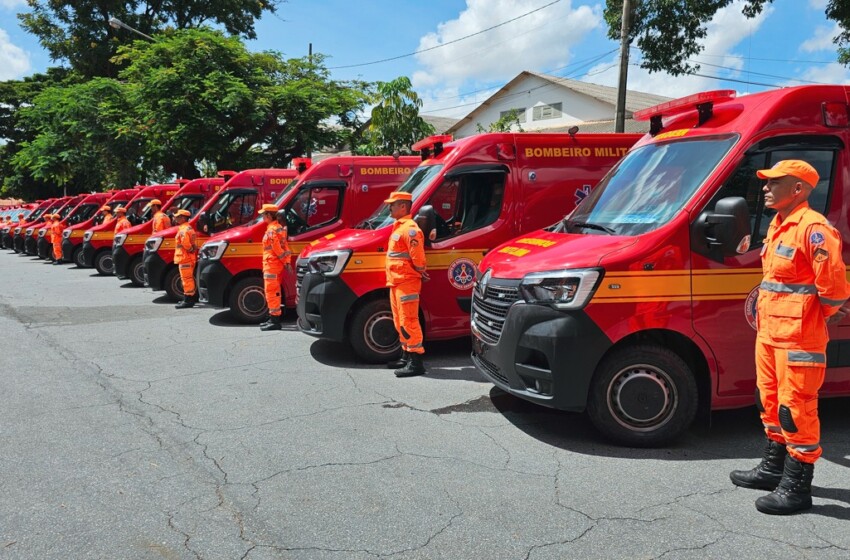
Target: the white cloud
(14, 61)
(818, 4)
(543, 39)
(449, 102)
(12, 4)
(822, 39)
(833, 73)
(724, 32)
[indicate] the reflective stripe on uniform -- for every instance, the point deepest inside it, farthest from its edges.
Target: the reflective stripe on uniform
(781, 288)
(414, 346)
(804, 448)
(398, 255)
(419, 268)
(772, 428)
(806, 357)
(185, 265)
(269, 276)
(784, 250)
(409, 297)
(832, 302)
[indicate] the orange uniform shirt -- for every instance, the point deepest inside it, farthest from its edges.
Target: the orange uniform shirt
(160, 222)
(805, 280)
(122, 224)
(185, 247)
(405, 252)
(276, 252)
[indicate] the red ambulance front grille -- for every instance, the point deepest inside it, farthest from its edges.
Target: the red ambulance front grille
(489, 311)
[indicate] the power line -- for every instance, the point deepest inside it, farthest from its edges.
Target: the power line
(446, 43)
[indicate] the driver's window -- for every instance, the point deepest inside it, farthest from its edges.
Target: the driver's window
(313, 208)
(467, 202)
(746, 184)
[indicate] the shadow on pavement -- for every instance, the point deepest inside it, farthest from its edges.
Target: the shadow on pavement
(127, 284)
(225, 319)
(163, 299)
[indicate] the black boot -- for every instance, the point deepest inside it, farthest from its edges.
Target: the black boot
(794, 492)
(268, 321)
(401, 362)
(273, 324)
(412, 367)
(188, 301)
(768, 473)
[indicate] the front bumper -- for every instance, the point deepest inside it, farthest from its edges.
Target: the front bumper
(543, 355)
(121, 261)
(68, 247)
(89, 252)
(323, 306)
(213, 279)
(154, 270)
(31, 245)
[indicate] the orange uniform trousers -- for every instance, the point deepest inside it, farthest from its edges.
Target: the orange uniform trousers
(272, 276)
(56, 239)
(404, 300)
(187, 275)
(788, 383)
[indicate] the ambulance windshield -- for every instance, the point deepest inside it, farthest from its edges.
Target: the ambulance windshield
(648, 187)
(417, 184)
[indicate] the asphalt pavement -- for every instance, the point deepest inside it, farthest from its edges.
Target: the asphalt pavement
(129, 429)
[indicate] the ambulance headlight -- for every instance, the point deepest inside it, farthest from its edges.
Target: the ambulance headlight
(66, 234)
(213, 251)
(561, 289)
(29, 231)
(41, 232)
(330, 263)
(152, 244)
(87, 236)
(17, 231)
(119, 239)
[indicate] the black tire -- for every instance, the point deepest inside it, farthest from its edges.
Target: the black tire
(136, 271)
(77, 257)
(642, 396)
(173, 285)
(104, 264)
(372, 335)
(247, 301)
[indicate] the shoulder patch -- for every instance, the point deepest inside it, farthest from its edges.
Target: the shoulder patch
(413, 232)
(816, 238)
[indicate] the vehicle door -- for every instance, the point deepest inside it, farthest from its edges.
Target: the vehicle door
(725, 293)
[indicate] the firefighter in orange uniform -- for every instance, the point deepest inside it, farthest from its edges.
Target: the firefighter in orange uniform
(55, 231)
(185, 257)
(405, 266)
(276, 259)
(123, 222)
(106, 213)
(160, 219)
(804, 288)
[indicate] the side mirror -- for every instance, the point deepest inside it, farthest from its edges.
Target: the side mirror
(426, 219)
(204, 221)
(724, 232)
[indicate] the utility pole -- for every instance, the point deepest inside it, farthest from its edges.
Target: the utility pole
(620, 117)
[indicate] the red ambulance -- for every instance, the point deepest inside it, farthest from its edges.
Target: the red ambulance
(234, 205)
(40, 230)
(72, 237)
(84, 211)
(128, 246)
(335, 193)
(473, 194)
(639, 307)
(97, 241)
(18, 234)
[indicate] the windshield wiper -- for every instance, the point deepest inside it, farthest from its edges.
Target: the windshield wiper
(569, 224)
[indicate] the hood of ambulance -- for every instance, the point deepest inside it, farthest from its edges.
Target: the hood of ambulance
(542, 250)
(358, 240)
(140, 229)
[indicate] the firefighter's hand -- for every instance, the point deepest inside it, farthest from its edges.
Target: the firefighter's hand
(839, 316)
(425, 277)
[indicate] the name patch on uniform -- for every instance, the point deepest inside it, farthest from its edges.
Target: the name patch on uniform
(821, 255)
(462, 273)
(817, 238)
(395, 237)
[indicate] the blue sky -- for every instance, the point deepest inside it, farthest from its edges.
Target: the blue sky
(790, 43)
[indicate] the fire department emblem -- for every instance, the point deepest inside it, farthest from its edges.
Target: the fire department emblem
(462, 274)
(751, 307)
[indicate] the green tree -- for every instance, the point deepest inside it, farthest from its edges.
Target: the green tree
(505, 123)
(79, 137)
(198, 95)
(78, 31)
(668, 32)
(395, 124)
